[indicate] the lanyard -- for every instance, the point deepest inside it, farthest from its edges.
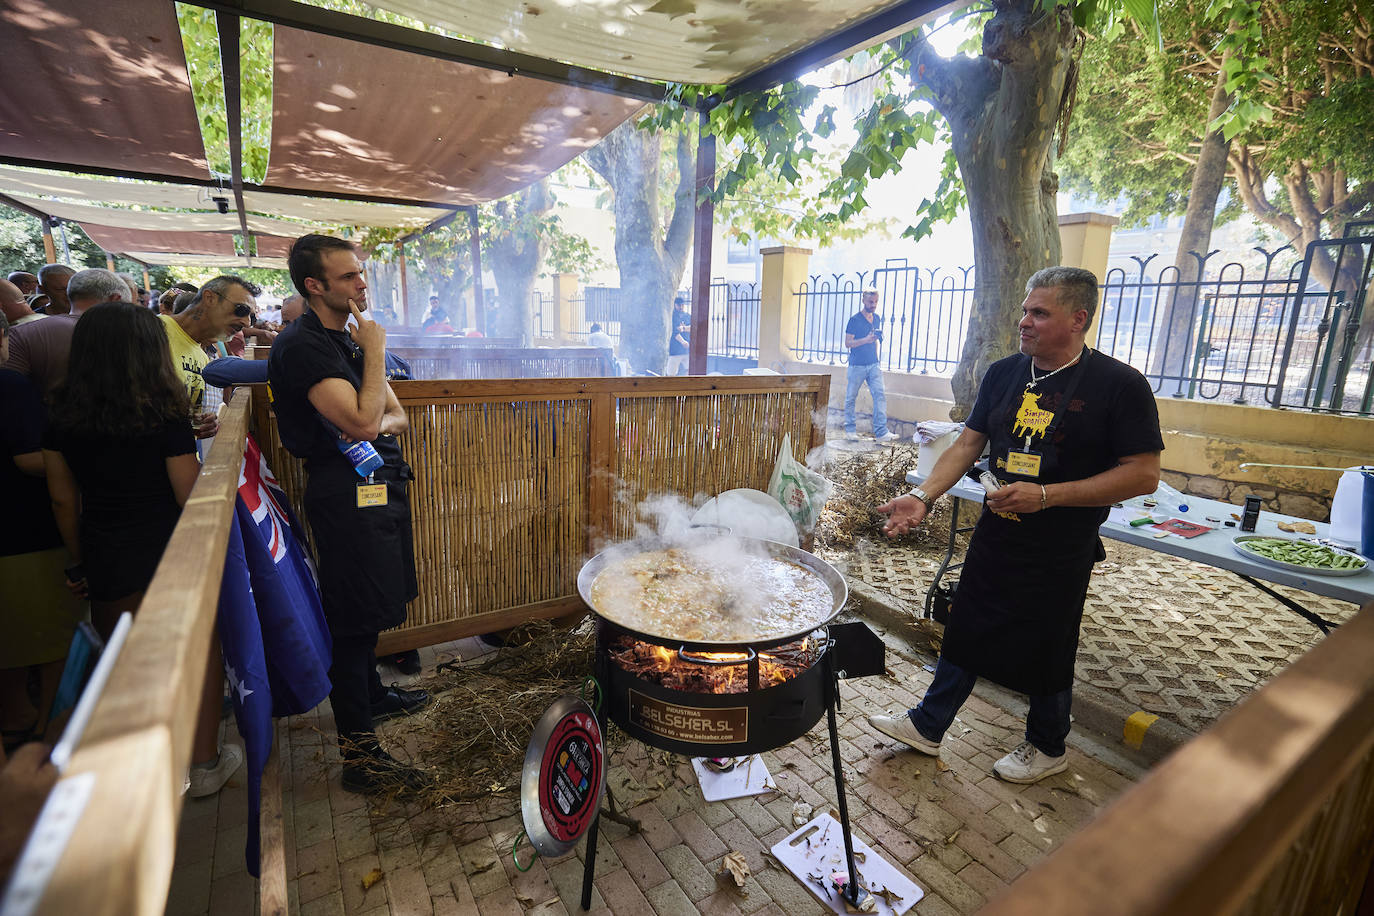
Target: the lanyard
(1064, 405)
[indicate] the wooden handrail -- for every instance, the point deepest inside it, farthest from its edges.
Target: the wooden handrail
(138, 745)
(1267, 811)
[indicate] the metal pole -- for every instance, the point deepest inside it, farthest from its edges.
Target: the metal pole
(405, 297)
(479, 318)
(49, 248)
(701, 249)
(831, 679)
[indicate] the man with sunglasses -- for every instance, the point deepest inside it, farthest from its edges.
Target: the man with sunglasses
(222, 307)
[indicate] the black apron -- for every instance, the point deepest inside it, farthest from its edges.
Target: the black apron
(1017, 609)
(366, 556)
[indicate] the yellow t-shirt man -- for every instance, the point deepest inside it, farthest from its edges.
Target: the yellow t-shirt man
(187, 358)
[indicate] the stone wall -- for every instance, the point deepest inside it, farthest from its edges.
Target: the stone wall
(1287, 502)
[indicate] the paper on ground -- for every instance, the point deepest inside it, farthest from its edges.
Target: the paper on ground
(749, 777)
(825, 856)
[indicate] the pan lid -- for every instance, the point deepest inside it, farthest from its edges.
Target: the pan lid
(563, 777)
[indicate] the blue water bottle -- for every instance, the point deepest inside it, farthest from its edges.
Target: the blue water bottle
(359, 453)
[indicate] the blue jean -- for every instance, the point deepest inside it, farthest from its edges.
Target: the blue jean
(854, 379)
(1047, 722)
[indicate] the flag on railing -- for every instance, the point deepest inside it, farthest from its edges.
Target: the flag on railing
(277, 648)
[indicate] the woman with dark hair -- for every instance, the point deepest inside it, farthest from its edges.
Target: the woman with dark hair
(121, 460)
(120, 455)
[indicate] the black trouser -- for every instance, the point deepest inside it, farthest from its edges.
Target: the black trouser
(356, 686)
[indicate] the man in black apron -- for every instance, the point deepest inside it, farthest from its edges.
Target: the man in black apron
(1071, 432)
(321, 376)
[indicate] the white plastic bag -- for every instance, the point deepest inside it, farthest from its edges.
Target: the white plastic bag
(800, 490)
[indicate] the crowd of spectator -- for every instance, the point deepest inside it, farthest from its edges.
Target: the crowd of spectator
(101, 406)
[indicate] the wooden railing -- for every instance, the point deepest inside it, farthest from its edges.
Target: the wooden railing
(517, 480)
(430, 362)
(1271, 811)
(138, 744)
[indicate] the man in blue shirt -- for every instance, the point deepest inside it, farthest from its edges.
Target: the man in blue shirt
(862, 336)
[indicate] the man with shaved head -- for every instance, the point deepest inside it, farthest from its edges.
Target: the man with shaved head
(27, 282)
(52, 280)
(40, 349)
(13, 305)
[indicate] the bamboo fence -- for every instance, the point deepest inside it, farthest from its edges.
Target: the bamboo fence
(518, 481)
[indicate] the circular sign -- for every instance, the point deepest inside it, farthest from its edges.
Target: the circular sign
(563, 778)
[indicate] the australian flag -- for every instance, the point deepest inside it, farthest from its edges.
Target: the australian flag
(276, 644)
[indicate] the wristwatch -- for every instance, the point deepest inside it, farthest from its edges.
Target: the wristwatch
(922, 496)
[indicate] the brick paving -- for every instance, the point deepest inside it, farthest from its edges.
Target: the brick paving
(961, 834)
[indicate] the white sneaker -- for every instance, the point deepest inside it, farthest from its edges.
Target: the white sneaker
(209, 780)
(852, 437)
(889, 436)
(1026, 764)
(900, 728)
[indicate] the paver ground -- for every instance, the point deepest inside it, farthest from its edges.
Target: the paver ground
(957, 831)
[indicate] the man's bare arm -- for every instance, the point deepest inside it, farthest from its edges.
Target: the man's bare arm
(357, 413)
(394, 421)
(1134, 475)
(906, 512)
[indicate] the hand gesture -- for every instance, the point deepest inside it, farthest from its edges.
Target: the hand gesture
(205, 424)
(1019, 497)
(367, 334)
(79, 588)
(904, 513)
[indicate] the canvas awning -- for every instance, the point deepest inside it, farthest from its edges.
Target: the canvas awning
(684, 41)
(161, 220)
(388, 123)
(27, 184)
(121, 241)
(98, 84)
(205, 260)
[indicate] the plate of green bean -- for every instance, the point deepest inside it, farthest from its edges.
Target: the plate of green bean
(1301, 556)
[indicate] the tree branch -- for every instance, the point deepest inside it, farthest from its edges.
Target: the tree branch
(956, 84)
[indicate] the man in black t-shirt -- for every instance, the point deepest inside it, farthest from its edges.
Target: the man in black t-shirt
(862, 335)
(329, 390)
(1070, 431)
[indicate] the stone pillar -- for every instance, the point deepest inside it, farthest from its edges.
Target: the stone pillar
(781, 311)
(569, 314)
(1086, 238)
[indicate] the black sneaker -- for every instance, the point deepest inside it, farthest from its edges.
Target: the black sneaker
(397, 701)
(406, 662)
(381, 773)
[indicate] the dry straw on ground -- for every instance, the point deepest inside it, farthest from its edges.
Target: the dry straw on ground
(471, 740)
(866, 480)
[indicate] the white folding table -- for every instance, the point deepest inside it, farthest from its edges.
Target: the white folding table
(1215, 548)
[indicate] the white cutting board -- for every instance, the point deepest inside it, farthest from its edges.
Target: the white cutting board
(825, 856)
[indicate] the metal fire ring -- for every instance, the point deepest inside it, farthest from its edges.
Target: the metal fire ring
(691, 657)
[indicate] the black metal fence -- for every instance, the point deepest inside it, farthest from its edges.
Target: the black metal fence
(1215, 338)
(734, 322)
(1325, 364)
(924, 316)
(541, 307)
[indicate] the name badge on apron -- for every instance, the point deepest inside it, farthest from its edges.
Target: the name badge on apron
(371, 494)
(1023, 464)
